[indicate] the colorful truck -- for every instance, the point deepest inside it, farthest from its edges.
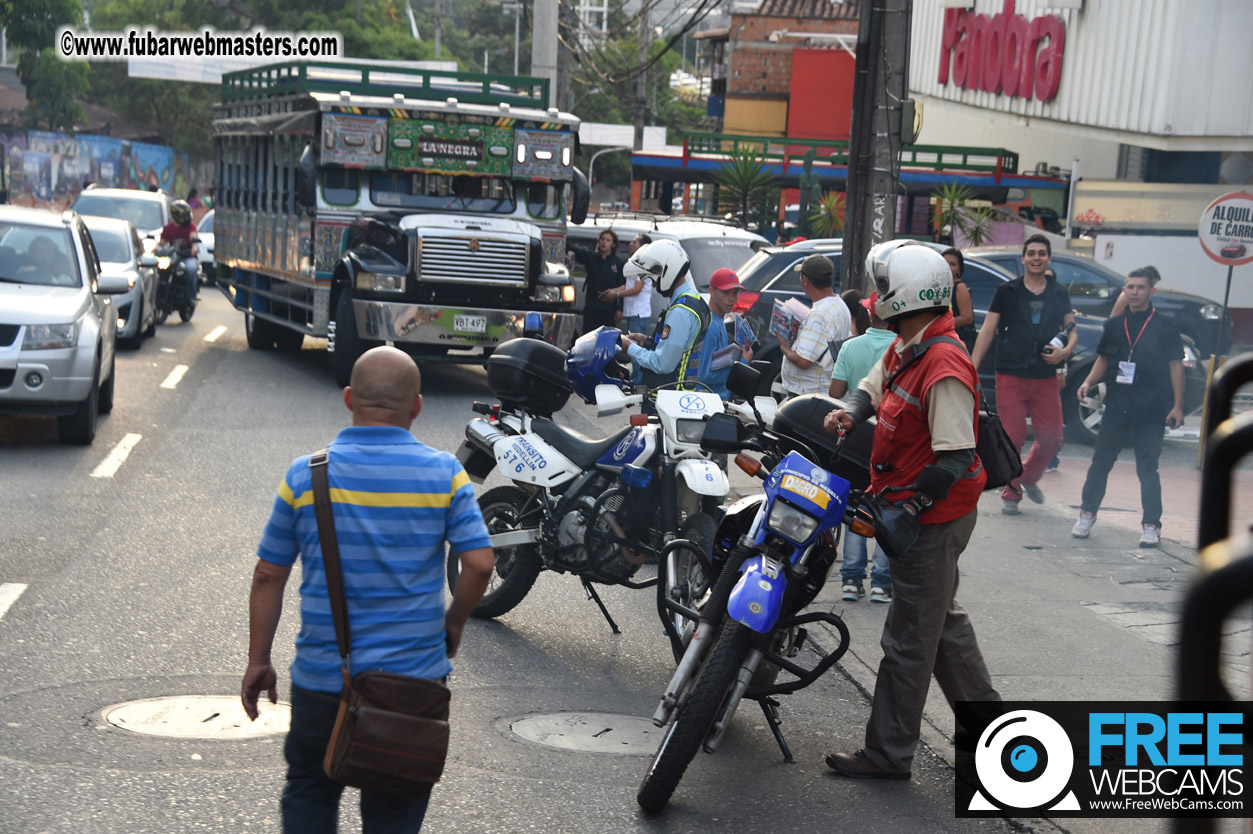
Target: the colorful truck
(367, 203)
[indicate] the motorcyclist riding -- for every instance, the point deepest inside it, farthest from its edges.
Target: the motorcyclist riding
(179, 233)
(673, 354)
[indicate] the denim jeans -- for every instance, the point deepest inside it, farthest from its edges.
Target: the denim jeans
(191, 275)
(310, 800)
(636, 324)
(853, 571)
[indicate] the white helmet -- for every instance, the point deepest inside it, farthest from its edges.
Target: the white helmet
(664, 261)
(909, 277)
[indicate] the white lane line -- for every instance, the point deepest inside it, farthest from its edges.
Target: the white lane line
(8, 595)
(172, 380)
(215, 333)
(113, 462)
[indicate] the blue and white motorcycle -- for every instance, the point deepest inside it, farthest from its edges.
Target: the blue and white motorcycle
(599, 509)
(771, 557)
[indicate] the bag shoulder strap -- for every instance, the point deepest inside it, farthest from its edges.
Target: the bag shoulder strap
(330, 555)
(916, 352)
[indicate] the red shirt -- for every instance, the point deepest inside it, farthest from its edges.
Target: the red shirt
(174, 232)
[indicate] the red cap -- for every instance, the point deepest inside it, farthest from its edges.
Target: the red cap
(869, 303)
(725, 279)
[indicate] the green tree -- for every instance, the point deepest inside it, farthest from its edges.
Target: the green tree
(746, 188)
(52, 87)
(827, 217)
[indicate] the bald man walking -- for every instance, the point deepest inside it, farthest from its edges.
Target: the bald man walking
(396, 502)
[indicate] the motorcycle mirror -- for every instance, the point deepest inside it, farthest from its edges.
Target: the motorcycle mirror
(307, 179)
(743, 381)
(580, 197)
(148, 260)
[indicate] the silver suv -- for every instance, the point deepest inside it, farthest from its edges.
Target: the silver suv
(58, 324)
(148, 211)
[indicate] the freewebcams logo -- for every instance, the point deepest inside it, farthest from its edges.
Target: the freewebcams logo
(1024, 760)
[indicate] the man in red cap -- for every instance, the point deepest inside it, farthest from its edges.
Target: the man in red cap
(727, 344)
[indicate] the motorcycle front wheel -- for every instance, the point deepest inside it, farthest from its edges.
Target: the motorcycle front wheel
(516, 567)
(694, 718)
(693, 576)
(186, 312)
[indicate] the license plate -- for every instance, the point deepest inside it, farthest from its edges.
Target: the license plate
(470, 324)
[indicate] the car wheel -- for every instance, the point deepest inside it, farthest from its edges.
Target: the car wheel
(151, 329)
(1082, 419)
(106, 391)
(79, 428)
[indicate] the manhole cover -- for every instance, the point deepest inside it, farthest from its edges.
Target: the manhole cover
(198, 716)
(591, 732)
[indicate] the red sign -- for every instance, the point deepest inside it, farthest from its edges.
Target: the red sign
(1003, 53)
(1226, 229)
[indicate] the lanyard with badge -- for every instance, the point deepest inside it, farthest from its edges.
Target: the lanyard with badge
(1127, 370)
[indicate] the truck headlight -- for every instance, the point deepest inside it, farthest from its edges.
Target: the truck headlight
(790, 522)
(1211, 312)
(50, 336)
(551, 294)
(376, 282)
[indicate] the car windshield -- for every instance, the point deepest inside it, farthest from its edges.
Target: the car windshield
(443, 192)
(710, 254)
(111, 245)
(144, 215)
(38, 255)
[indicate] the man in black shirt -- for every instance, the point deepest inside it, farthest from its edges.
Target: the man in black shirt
(604, 272)
(1023, 317)
(1140, 360)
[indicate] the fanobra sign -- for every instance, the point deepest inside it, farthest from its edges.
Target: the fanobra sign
(1003, 53)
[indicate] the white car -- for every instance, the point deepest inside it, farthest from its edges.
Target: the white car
(58, 323)
(148, 211)
(204, 230)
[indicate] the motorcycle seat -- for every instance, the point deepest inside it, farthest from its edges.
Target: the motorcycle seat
(582, 451)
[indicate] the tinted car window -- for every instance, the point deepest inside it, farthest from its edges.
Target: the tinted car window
(981, 283)
(144, 214)
(111, 245)
(39, 255)
(1080, 280)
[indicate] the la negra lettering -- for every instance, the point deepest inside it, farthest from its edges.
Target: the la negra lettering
(1003, 53)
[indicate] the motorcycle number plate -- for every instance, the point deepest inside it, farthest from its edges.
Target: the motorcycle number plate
(804, 488)
(470, 324)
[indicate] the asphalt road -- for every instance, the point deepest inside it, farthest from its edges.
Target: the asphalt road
(136, 587)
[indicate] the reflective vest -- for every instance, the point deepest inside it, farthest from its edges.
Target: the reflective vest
(902, 439)
(689, 363)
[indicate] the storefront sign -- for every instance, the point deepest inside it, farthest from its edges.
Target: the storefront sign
(1226, 229)
(1003, 53)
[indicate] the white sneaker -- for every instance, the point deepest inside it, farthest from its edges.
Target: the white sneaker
(1152, 536)
(880, 595)
(1083, 527)
(852, 592)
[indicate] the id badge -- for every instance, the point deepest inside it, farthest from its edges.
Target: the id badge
(1126, 373)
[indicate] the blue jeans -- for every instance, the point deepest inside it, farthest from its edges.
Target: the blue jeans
(853, 570)
(636, 324)
(191, 274)
(310, 800)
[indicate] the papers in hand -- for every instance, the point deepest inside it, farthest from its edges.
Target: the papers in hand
(786, 319)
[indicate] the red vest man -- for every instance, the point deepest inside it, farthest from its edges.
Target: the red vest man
(924, 449)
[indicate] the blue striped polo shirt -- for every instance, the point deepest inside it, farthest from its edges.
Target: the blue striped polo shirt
(396, 502)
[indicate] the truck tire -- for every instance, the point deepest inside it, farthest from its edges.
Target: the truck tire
(260, 333)
(346, 346)
(287, 340)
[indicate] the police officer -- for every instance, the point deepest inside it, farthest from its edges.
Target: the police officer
(673, 354)
(924, 445)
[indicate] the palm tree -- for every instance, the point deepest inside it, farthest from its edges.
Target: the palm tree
(744, 184)
(827, 217)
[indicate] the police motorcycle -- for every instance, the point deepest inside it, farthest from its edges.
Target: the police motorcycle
(599, 509)
(771, 556)
(171, 282)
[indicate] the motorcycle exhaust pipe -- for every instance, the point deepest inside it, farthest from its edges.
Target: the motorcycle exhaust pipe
(484, 434)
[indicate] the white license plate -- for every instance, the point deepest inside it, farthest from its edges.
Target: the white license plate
(470, 324)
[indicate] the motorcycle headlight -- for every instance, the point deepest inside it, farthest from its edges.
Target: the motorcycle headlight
(1212, 312)
(689, 431)
(374, 282)
(50, 336)
(163, 262)
(790, 522)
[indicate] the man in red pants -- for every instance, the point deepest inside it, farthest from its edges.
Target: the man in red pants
(1024, 316)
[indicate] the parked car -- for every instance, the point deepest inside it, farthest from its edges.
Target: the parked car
(58, 324)
(1095, 287)
(204, 230)
(770, 275)
(119, 247)
(710, 244)
(148, 211)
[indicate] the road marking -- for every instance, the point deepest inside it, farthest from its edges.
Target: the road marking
(215, 333)
(8, 595)
(111, 464)
(172, 380)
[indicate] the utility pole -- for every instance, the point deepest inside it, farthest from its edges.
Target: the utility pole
(881, 78)
(439, 18)
(544, 45)
(641, 80)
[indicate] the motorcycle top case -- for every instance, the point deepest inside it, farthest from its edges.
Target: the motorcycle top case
(801, 418)
(529, 375)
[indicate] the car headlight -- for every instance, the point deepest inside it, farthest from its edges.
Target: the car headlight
(1212, 312)
(1190, 357)
(790, 522)
(50, 336)
(689, 431)
(375, 282)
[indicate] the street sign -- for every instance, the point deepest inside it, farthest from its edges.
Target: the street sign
(1226, 229)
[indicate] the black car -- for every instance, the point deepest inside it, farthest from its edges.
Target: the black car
(1094, 288)
(770, 275)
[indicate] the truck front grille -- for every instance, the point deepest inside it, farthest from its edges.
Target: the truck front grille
(478, 260)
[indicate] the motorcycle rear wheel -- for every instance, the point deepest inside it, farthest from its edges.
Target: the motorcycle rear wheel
(516, 567)
(695, 716)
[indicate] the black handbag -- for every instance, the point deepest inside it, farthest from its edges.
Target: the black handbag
(391, 733)
(996, 451)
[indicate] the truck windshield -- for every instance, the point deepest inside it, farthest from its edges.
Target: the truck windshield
(543, 200)
(443, 192)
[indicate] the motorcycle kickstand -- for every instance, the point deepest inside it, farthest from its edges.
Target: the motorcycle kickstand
(770, 707)
(592, 595)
